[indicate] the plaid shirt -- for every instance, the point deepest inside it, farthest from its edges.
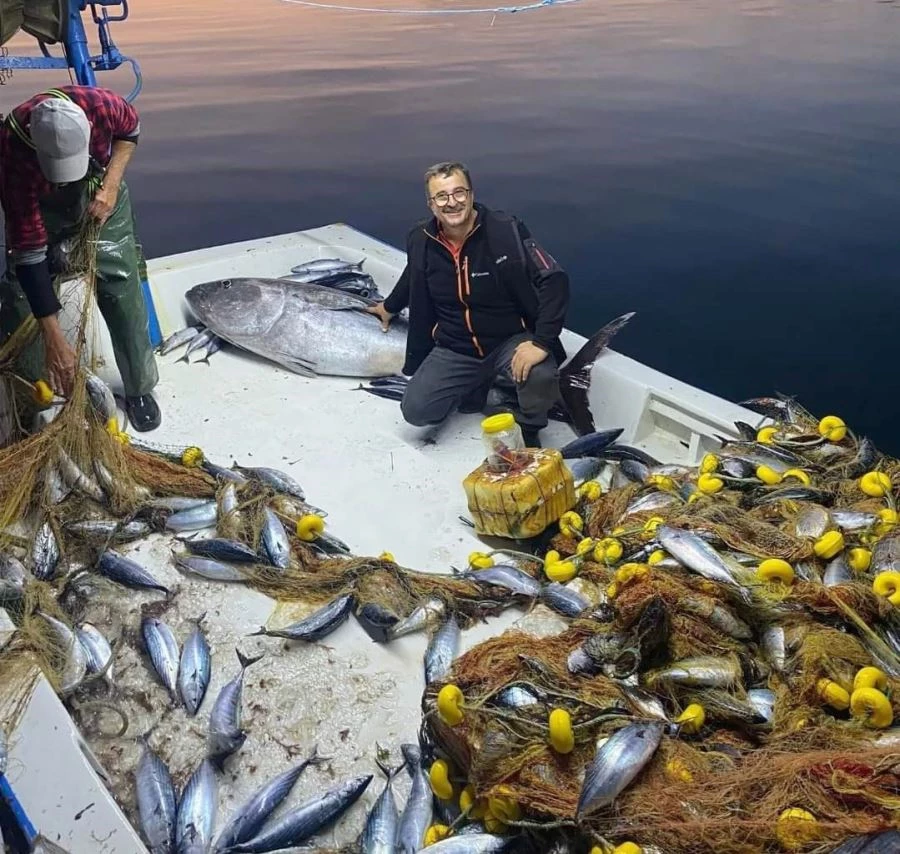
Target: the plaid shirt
(22, 184)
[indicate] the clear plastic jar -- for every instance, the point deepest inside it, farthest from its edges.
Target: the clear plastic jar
(501, 436)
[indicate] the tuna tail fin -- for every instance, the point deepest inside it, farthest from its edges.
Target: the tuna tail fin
(389, 772)
(246, 661)
(575, 375)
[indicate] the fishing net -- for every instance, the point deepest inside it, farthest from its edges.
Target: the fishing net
(779, 731)
(656, 639)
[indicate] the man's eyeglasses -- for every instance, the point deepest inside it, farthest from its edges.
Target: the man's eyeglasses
(442, 199)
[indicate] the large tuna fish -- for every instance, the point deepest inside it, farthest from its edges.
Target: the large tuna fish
(304, 327)
(313, 330)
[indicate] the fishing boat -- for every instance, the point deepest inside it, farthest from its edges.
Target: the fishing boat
(386, 486)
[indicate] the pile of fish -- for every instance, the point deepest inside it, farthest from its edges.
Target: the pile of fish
(665, 627)
(337, 273)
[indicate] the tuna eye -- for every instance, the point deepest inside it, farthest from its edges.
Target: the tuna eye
(226, 284)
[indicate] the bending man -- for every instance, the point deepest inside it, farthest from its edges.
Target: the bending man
(63, 155)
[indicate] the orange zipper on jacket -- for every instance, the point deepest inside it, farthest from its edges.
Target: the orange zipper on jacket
(463, 286)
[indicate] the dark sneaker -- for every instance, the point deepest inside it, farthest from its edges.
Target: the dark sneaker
(531, 437)
(143, 413)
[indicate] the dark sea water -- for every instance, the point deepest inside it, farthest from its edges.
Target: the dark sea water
(728, 170)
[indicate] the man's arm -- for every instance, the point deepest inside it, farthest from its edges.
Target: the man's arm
(552, 285)
(398, 299)
(104, 201)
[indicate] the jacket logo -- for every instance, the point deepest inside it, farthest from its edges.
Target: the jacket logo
(475, 275)
(501, 259)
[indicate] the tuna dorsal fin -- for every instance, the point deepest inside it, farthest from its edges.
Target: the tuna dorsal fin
(575, 375)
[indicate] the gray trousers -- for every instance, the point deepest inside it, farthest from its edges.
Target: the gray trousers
(445, 379)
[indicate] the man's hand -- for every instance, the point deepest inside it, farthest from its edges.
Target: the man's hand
(60, 361)
(525, 357)
(104, 201)
(382, 314)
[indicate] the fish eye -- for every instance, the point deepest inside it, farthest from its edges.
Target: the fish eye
(226, 284)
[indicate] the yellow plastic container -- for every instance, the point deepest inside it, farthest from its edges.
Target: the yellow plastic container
(523, 501)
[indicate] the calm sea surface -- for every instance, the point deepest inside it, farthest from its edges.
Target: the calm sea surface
(728, 170)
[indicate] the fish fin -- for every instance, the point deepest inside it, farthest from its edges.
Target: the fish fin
(389, 772)
(247, 661)
(262, 631)
(184, 358)
(575, 375)
(298, 366)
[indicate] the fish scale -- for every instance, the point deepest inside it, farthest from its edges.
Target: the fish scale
(162, 647)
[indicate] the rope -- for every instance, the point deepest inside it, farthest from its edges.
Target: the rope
(492, 9)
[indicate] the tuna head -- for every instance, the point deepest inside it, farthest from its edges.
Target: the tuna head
(237, 307)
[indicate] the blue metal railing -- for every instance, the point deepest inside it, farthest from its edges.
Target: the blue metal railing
(76, 51)
(77, 57)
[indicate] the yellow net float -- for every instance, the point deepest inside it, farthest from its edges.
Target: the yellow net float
(627, 571)
(648, 532)
(662, 482)
(584, 546)
(439, 778)
(502, 807)
(709, 464)
(676, 770)
(570, 524)
(607, 550)
(796, 828)
(875, 483)
(436, 833)
(480, 560)
(766, 435)
(768, 475)
(833, 694)
(590, 490)
(870, 677)
(710, 485)
(832, 428)
(887, 584)
(859, 559)
(449, 700)
(562, 738)
(656, 557)
(872, 706)
(628, 848)
(775, 569)
(692, 719)
(560, 571)
(388, 556)
(830, 544)
(797, 474)
(474, 807)
(494, 825)
(192, 457)
(887, 521)
(42, 393)
(309, 527)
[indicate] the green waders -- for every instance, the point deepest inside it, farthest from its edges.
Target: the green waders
(118, 292)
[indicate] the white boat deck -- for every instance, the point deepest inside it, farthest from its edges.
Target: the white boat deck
(384, 485)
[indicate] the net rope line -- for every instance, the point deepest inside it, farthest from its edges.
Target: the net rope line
(482, 11)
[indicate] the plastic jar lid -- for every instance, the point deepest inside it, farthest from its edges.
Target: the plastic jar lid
(498, 423)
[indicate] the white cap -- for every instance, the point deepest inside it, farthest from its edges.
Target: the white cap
(61, 135)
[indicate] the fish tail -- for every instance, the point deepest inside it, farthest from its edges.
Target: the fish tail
(389, 772)
(575, 376)
(262, 631)
(247, 661)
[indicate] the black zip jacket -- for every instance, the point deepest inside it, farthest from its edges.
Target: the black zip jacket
(500, 284)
